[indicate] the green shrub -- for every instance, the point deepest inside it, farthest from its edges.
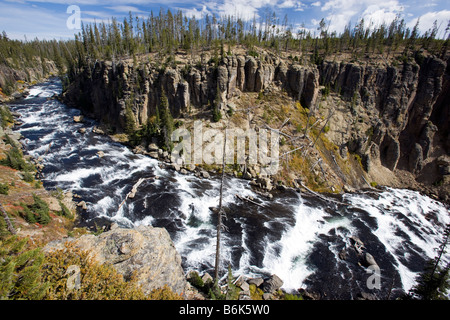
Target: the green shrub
(97, 281)
(216, 114)
(255, 292)
(14, 159)
(289, 296)
(5, 116)
(36, 212)
(4, 188)
(20, 270)
(28, 177)
(65, 212)
(232, 290)
(253, 53)
(196, 280)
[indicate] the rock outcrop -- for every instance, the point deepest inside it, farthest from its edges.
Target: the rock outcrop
(14, 81)
(104, 90)
(147, 253)
(405, 108)
(393, 115)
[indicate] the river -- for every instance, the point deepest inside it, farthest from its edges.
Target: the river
(302, 238)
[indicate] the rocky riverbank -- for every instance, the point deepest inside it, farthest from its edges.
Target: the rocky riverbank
(345, 124)
(14, 82)
(19, 176)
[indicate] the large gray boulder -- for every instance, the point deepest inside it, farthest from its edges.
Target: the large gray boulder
(145, 251)
(272, 284)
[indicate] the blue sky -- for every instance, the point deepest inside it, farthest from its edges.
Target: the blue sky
(46, 19)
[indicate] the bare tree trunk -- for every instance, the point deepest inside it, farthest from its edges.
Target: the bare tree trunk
(441, 250)
(323, 127)
(219, 213)
(8, 222)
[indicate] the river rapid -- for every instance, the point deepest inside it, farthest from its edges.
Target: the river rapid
(307, 241)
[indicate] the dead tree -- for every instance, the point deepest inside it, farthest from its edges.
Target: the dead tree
(7, 220)
(219, 212)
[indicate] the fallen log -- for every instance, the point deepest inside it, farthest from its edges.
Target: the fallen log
(133, 191)
(320, 196)
(251, 201)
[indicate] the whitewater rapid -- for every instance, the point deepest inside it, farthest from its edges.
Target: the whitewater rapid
(296, 236)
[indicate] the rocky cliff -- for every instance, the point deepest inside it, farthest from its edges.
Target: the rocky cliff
(407, 109)
(144, 252)
(14, 81)
(104, 90)
(393, 114)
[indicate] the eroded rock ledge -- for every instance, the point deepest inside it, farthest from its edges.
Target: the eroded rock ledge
(146, 252)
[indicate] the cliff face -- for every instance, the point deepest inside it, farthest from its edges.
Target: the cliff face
(410, 126)
(144, 252)
(393, 115)
(105, 90)
(12, 80)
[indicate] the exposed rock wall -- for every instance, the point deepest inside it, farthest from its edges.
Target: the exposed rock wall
(105, 90)
(407, 107)
(145, 251)
(403, 106)
(9, 77)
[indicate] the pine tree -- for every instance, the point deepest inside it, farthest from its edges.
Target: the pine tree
(166, 120)
(432, 283)
(216, 105)
(20, 270)
(130, 122)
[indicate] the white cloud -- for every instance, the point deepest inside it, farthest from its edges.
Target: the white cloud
(426, 21)
(316, 4)
(384, 12)
(33, 21)
(244, 9)
(125, 9)
(341, 12)
(194, 13)
(288, 4)
(103, 2)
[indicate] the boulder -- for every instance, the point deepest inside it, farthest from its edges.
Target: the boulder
(205, 174)
(267, 296)
(256, 281)
(82, 204)
(443, 163)
(416, 159)
(369, 260)
(244, 286)
(272, 284)
(152, 147)
(74, 277)
(309, 295)
(153, 154)
(78, 119)
(146, 252)
(207, 278)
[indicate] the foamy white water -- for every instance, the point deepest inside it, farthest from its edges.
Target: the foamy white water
(294, 236)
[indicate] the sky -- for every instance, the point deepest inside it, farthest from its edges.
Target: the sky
(57, 19)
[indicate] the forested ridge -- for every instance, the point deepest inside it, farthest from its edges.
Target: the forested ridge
(167, 32)
(138, 46)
